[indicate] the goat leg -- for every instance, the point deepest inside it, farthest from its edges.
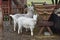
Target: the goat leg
(14, 26)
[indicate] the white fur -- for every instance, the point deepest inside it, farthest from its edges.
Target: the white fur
(28, 23)
(16, 16)
(56, 12)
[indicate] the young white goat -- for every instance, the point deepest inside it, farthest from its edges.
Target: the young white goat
(30, 12)
(28, 23)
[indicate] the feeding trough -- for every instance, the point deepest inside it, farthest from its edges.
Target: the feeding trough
(44, 11)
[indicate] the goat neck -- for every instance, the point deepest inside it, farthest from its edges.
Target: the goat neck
(35, 17)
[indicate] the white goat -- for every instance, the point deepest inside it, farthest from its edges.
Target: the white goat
(16, 16)
(27, 23)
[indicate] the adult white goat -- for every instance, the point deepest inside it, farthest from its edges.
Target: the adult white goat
(30, 11)
(28, 23)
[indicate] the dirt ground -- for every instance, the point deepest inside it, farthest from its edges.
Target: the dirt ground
(9, 34)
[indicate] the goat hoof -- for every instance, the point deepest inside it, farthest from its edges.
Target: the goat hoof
(31, 34)
(18, 32)
(14, 30)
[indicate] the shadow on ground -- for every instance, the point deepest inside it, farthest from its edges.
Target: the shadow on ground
(9, 34)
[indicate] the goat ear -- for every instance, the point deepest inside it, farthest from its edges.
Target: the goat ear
(37, 14)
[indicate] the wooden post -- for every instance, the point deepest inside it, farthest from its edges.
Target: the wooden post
(1, 17)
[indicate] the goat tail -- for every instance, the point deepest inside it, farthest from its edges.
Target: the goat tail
(11, 16)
